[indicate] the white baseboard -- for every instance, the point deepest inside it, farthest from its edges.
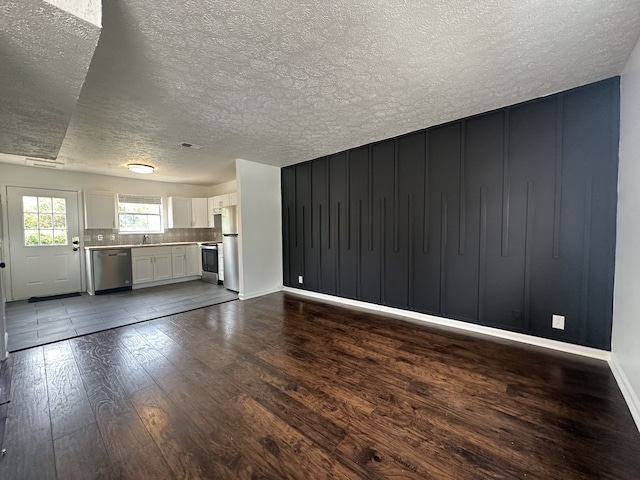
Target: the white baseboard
(247, 296)
(460, 325)
(630, 396)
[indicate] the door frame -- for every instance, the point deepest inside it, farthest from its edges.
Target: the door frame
(5, 240)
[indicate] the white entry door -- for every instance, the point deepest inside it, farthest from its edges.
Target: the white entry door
(44, 237)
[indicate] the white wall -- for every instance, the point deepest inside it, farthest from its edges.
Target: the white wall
(223, 188)
(260, 228)
(625, 347)
(20, 176)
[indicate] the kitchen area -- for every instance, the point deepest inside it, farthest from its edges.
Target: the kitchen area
(130, 277)
(191, 248)
(191, 218)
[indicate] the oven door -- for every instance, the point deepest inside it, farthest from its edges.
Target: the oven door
(209, 263)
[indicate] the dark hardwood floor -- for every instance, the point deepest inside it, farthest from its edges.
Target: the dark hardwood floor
(283, 387)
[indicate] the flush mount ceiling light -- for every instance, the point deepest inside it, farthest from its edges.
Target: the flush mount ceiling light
(140, 168)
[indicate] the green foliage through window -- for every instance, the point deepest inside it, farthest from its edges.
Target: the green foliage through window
(44, 221)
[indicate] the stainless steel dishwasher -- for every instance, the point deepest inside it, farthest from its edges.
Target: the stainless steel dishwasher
(111, 270)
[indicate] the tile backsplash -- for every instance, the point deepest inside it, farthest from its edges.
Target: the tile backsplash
(112, 237)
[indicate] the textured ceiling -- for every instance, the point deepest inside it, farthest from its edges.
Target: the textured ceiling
(44, 57)
(285, 81)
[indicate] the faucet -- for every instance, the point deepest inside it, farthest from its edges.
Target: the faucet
(144, 239)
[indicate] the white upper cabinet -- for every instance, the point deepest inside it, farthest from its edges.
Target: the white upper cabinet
(100, 210)
(199, 216)
(179, 209)
(216, 203)
(187, 212)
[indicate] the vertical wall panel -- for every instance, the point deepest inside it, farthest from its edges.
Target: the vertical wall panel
(499, 276)
(381, 197)
(502, 219)
(345, 252)
(588, 138)
(460, 285)
(302, 224)
(408, 174)
(319, 220)
(315, 195)
(427, 259)
(359, 208)
(288, 179)
(328, 247)
(506, 186)
(532, 167)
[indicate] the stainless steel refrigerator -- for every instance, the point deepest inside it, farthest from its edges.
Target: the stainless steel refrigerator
(230, 247)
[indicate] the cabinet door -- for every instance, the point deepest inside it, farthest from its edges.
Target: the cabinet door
(162, 267)
(193, 260)
(220, 263)
(142, 269)
(179, 265)
(179, 212)
(99, 210)
(211, 209)
(233, 198)
(199, 213)
(222, 201)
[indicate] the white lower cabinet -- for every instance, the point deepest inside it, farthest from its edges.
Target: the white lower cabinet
(193, 260)
(151, 264)
(185, 261)
(162, 267)
(164, 264)
(179, 260)
(141, 269)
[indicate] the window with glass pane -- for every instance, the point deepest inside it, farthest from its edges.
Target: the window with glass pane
(44, 221)
(138, 214)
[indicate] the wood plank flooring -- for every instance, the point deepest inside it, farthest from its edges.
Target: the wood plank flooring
(40, 323)
(284, 387)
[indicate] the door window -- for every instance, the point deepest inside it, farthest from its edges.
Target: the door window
(44, 221)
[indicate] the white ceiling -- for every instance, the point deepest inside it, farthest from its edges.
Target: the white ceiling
(284, 81)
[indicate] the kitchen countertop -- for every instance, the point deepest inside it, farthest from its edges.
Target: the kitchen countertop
(138, 245)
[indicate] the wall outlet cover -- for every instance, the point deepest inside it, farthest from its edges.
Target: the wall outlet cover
(100, 238)
(557, 321)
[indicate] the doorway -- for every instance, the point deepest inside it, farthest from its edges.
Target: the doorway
(44, 242)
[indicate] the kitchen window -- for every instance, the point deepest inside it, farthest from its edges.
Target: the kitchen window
(139, 214)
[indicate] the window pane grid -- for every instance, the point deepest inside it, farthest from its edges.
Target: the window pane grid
(44, 221)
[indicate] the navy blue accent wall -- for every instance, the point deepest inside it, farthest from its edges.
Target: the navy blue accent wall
(501, 219)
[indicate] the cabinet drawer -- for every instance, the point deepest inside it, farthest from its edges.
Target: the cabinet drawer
(148, 251)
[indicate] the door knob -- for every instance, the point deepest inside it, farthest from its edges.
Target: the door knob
(2, 264)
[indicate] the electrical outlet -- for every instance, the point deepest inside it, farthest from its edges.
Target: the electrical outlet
(557, 321)
(299, 278)
(112, 237)
(100, 238)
